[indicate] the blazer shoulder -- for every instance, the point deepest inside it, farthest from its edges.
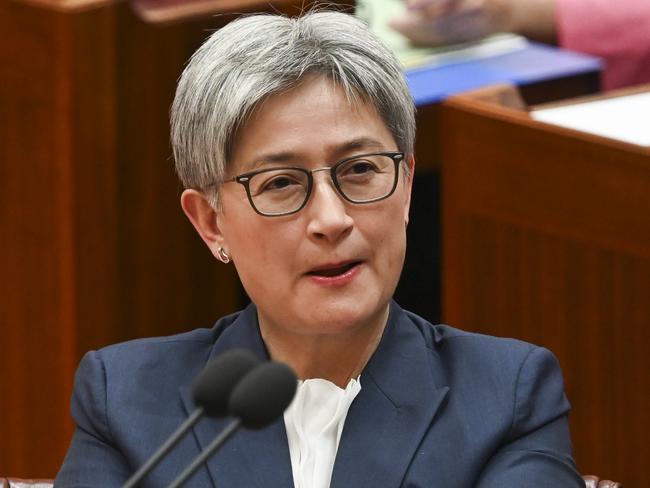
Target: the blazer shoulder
(486, 356)
(442, 336)
(447, 336)
(463, 354)
(176, 358)
(190, 342)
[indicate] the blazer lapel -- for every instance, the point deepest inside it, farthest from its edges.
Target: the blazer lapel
(249, 458)
(398, 401)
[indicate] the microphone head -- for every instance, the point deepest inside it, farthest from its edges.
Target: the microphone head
(263, 395)
(213, 386)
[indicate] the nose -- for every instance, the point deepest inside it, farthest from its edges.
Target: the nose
(327, 211)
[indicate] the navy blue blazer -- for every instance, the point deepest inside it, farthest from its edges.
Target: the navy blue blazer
(438, 407)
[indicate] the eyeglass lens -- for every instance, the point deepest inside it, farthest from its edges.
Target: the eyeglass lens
(285, 190)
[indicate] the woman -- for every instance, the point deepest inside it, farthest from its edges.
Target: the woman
(294, 139)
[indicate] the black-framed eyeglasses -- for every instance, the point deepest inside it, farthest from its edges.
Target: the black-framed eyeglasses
(364, 178)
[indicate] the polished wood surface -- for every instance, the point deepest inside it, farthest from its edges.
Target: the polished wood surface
(420, 286)
(546, 238)
(94, 248)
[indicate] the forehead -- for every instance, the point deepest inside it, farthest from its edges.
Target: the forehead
(314, 120)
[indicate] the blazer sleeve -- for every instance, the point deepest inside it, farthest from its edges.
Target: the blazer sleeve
(537, 450)
(92, 459)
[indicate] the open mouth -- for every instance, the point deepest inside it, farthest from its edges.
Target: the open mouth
(330, 272)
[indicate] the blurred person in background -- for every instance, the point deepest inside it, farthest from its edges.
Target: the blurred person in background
(618, 32)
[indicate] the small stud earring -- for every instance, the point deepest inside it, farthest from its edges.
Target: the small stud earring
(223, 255)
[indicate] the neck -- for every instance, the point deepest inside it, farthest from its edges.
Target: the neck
(335, 357)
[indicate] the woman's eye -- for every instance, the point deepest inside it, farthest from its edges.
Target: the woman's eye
(358, 168)
(279, 183)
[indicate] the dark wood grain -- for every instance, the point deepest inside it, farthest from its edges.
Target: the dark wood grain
(547, 239)
(36, 258)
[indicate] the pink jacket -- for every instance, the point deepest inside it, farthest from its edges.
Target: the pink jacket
(616, 30)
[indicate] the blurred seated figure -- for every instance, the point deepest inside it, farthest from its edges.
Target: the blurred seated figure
(618, 32)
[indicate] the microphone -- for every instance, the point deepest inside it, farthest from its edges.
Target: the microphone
(260, 398)
(211, 391)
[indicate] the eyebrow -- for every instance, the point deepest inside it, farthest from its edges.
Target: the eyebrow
(361, 143)
(340, 152)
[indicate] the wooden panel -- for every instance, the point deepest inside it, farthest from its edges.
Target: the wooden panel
(36, 257)
(547, 239)
(508, 183)
(419, 289)
(161, 261)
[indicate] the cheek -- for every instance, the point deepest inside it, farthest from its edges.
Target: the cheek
(253, 255)
(387, 236)
(397, 234)
(257, 266)
(263, 250)
(396, 249)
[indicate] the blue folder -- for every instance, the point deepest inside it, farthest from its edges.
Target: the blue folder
(533, 64)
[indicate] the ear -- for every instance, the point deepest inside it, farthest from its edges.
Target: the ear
(205, 219)
(408, 186)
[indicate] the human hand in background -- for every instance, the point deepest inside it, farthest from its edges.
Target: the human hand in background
(436, 22)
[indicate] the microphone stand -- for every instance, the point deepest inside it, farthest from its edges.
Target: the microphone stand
(225, 434)
(164, 449)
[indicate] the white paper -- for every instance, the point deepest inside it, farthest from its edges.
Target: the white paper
(625, 118)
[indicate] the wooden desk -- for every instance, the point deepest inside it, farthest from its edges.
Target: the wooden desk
(547, 239)
(542, 73)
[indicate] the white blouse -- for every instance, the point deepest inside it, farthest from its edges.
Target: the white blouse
(314, 423)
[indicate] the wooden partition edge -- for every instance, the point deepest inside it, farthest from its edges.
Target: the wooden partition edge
(488, 108)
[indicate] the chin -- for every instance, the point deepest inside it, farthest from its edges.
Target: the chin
(345, 315)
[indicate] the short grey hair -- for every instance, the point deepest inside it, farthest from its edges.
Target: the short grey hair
(254, 57)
